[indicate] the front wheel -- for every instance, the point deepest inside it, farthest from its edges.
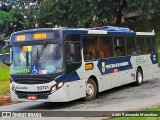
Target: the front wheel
(139, 77)
(91, 90)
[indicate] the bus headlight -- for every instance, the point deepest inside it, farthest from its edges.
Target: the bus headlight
(57, 86)
(13, 88)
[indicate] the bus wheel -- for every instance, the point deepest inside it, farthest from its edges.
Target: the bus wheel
(91, 90)
(139, 77)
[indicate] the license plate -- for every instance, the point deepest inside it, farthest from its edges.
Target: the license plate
(32, 97)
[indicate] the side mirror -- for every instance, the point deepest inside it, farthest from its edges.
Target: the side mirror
(6, 57)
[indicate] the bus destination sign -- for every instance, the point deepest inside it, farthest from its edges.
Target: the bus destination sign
(21, 37)
(30, 36)
(38, 36)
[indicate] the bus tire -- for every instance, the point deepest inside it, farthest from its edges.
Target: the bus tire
(139, 77)
(91, 90)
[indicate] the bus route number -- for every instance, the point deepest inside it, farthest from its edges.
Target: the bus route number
(40, 36)
(21, 37)
(43, 88)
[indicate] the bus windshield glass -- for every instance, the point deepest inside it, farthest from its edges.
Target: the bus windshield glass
(37, 59)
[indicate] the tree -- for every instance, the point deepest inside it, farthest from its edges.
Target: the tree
(5, 20)
(148, 13)
(73, 13)
(77, 13)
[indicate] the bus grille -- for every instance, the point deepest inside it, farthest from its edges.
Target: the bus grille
(40, 95)
(32, 80)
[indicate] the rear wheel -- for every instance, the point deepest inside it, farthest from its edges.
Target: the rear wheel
(91, 90)
(139, 77)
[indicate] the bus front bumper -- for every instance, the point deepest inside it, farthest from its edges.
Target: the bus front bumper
(60, 95)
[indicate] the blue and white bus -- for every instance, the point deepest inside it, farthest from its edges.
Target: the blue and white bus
(64, 64)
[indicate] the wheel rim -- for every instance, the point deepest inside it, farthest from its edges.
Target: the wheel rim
(90, 90)
(139, 77)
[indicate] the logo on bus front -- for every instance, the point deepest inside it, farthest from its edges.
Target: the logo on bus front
(103, 67)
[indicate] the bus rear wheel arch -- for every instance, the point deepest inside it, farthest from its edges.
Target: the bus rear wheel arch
(139, 77)
(91, 89)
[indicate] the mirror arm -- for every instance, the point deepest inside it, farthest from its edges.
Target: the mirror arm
(4, 54)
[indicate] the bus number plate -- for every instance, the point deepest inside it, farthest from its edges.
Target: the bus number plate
(43, 88)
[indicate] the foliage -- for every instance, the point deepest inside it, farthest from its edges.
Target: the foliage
(78, 13)
(15, 19)
(147, 6)
(72, 13)
(5, 17)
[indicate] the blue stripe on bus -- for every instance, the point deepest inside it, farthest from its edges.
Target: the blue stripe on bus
(85, 31)
(73, 77)
(60, 78)
(112, 65)
(121, 33)
(65, 32)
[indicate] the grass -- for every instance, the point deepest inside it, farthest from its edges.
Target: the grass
(136, 118)
(140, 118)
(4, 72)
(4, 79)
(4, 87)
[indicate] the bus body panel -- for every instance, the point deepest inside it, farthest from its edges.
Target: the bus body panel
(108, 72)
(77, 89)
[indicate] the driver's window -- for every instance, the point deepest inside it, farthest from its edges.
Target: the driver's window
(73, 56)
(73, 52)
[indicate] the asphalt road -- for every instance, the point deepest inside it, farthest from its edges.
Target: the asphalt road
(123, 98)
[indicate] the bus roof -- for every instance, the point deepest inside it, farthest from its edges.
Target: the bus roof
(112, 28)
(109, 30)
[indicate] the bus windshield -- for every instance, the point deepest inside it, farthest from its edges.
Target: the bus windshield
(37, 59)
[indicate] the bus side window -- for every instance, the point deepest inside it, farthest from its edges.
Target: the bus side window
(153, 45)
(140, 45)
(72, 53)
(106, 46)
(90, 48)
(119, 46)
(131, 46)
(73, 56)
(148, 42)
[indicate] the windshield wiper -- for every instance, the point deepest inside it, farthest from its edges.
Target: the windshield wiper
(41, 51)
(27, 58)
(39, 54)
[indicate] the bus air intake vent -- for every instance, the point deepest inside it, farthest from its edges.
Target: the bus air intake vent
(32, 80)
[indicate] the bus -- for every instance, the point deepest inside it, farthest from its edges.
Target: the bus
(64, 64)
